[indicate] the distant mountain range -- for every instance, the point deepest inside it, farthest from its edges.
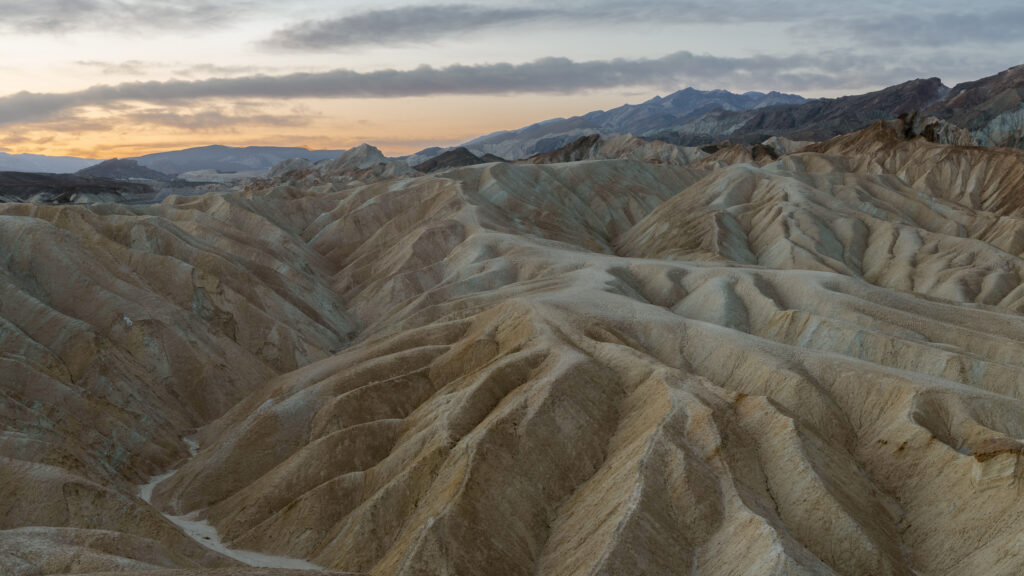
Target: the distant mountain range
(229, 159)
(42, 188)
(40, 163)
(214, 158)
(813, 120)
(991, 110)
(987, 112)
(654, 115)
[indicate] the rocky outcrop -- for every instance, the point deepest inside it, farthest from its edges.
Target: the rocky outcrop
(295, 164)
(455, 158)
(991, 108)
(620, 147)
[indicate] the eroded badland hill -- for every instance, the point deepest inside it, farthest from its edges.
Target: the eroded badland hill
(625, 357)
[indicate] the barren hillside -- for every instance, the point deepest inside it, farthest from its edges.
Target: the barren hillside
(648, 361)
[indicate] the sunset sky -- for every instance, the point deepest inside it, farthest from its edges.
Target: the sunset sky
(105, 78)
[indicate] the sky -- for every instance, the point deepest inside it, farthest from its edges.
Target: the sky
(120, 78)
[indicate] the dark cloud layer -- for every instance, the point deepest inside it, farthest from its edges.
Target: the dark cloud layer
(115, 16)
(398, 25)
(547, 75)
(425, 23)
(979, 25)
(869, 22)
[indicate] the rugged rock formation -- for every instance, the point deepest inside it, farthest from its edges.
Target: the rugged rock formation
(623, 146)
(362, 164)
(455, 158)
(124, 328)
(813, 120)
(69, 189)
(805, 364)
(296, 164)
(991, 108)
(248, 571)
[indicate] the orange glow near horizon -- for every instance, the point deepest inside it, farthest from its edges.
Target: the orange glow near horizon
(397, 126)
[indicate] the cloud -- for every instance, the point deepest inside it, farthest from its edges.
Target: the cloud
(45, 15)
(211, 119)
(398, 25)
(61, 16)
(547, 75)
(868, 23)
(426, 23)
(944, 28)
(206, 70)
(178, 69)
(126, 68)
(93, 133)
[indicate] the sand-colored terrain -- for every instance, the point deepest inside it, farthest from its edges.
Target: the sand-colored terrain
(694, 364)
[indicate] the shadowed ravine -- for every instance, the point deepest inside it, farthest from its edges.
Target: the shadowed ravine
(713, 365)
(205, 534)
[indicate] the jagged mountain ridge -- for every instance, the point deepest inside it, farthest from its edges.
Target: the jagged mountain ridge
(654, 114)
(455, 158)
(816, 120)
(659, 113)
(991, 108)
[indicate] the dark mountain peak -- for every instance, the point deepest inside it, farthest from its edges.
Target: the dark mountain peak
(806, 119)
(651, 117)
(1010, 78)
(366, 147)
(455, 158)
(992, 108)
(908, 96)
(572, 152)
(124, 169)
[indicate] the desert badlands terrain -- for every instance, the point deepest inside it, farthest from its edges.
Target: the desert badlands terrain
(625, 357)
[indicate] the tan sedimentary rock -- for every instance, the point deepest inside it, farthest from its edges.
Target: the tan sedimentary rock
(811, 365)
(247, 571)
